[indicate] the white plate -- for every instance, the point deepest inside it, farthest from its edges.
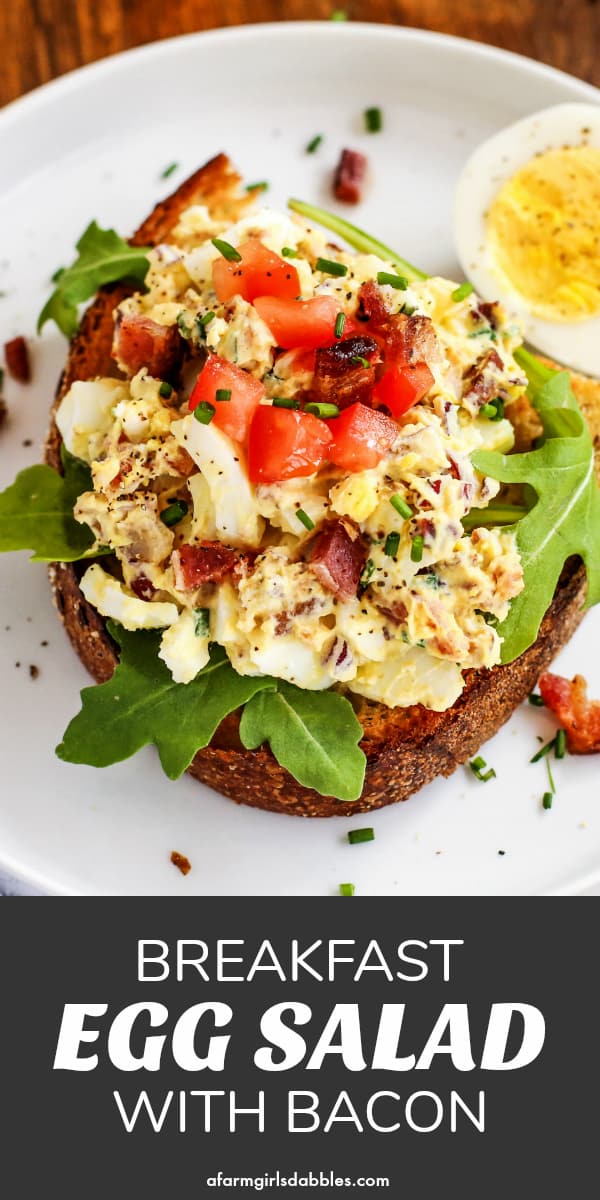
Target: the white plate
(93, 145)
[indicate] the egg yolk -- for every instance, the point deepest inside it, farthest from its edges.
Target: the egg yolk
(544, 233)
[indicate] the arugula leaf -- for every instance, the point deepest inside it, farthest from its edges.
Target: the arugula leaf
(565, 520)
(355, 237)
(36, 512)
(314, 735)
(103, 258)
(141, 705)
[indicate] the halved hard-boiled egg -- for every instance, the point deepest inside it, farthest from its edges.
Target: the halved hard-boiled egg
(527, 229)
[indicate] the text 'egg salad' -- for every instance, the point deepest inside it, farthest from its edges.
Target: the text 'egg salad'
(284, 467)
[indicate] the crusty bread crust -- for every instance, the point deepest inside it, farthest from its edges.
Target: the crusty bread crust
(405, 748)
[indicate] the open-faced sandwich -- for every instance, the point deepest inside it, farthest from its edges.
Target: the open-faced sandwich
(328, 513)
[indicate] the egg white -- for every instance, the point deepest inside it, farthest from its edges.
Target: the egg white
(576, 344)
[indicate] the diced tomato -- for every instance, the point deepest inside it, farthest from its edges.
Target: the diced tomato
(260, 273)
(402, 386)
(361, 438)
(580, 717)
(285, 444)
(302, 323)
(233, 416)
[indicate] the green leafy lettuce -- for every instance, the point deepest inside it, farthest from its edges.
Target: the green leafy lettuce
(103, 258)
(314, 736)
(36, 512)
(141, 705)
(565, 520)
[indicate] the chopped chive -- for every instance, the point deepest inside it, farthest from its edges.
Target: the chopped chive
(314, 143)
(347, 889)
(373, 120)
(340, 324)
(201, 622)
(338, 14)
(487, 331)
(547, 799)
(366, 573)
(227, 250)
(173, 513)
(477, 766)
(408, 309)
(222, 394)
(361, 835)
(257, 187)
(183, 326)
(392, 543)
(461, 293)
(165, 390)
(360, 361)
(416, 550)
(284, 402)
(550, 777)
(206, 319)
(204, 412)
(494, 410)
(328, 267)
(401, 506)
(543, 750)
(561, 744)
(289, 252)
(325, 411)
(169, 170)
(305, 519)
(400, 282)
(535, 699)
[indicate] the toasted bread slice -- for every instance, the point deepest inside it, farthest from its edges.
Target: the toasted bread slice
(405, 747)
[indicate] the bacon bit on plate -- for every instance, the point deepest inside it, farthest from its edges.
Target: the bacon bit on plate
(180, 861)
(578, 716)
(350, 176)
(338, 558)
(16, 353)
(140, 342)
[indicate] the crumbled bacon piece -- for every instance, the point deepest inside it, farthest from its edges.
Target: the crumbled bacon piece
(16, 353)
(483, 381)
(205, 562)
(578, 716)
(181, 861)
(338, 557)
(350, 176)
(340, 377)
(404, 339)
(143, 588)
(140, 342)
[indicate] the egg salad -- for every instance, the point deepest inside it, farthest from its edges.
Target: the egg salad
(284, 467)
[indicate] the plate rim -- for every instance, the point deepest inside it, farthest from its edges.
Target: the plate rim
(56, 89)
(65, 82)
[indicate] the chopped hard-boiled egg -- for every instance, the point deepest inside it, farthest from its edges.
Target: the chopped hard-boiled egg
(85, 415)
(222, 463)
(111, 599)
(183, 650)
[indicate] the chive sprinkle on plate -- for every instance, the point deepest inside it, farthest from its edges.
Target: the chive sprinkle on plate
(361, 835)
(329, 267)
(347, 889)
(373, 120)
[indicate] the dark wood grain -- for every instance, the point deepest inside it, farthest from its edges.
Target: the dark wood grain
(44, 38)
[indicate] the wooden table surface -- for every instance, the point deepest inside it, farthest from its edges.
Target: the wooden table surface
(44, 38)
